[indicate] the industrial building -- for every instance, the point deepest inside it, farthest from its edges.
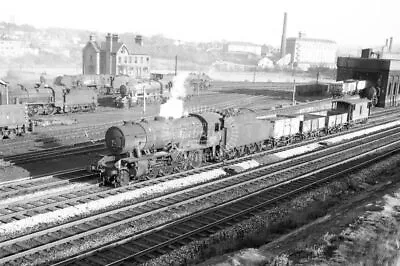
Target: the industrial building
(245, 48)
(113, 57)
(383, 74)
(309, 52)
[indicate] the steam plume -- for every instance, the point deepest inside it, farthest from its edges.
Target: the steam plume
(174, 106)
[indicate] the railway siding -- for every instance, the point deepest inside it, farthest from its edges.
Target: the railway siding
(201, 222)
(251, 179)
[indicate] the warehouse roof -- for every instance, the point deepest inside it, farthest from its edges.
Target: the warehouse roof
(311, 40)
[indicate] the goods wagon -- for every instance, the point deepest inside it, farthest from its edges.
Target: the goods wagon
(347, 87)
(147, 149)
(14, 120)
(312, 125)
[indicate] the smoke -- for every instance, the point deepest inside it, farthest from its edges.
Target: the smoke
(174, 106)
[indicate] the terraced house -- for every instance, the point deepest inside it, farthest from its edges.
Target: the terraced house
(114, 57)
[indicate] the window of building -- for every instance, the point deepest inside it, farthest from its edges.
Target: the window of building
(119, 60)
(130, 60)
(135, 59)
(125, 59)
(216, 127)
(141, 60)
(148, 59)
(91, 58)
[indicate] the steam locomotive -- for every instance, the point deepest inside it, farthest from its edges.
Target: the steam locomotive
(151, 92)
(43, 99)
(158, 90)
(148, 149)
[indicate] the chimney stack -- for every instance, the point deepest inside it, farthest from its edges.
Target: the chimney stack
(283, 41)
(91, 37)
(115, 39)
(108, 42)
(386, 42)
(390, 44)
(139, 40)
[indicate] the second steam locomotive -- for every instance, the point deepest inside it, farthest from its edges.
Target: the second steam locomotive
(44, 99)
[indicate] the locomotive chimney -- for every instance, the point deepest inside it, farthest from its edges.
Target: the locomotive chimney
(139, 40)
(390, 44)
(283, 41)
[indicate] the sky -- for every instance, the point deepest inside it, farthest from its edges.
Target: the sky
(348, 22)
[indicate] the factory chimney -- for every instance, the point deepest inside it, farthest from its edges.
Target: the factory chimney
(386, 42)
(390, 44)
(283, 42)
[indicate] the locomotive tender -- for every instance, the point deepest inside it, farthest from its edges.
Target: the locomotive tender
(148, 149)
(14, 120)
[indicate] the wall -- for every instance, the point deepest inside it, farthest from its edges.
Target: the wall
(90, 60)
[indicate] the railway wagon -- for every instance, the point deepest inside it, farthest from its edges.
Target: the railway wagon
(14, 120)
(347, 87)
(312, 125)
(147, 149)
(358, 109)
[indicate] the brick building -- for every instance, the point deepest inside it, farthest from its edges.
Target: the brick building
(383, 74)
(113, 57)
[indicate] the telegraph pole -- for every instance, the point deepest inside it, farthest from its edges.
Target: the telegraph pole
(6, 93)
(176, 65)
(294, 85)
(144, 100)
(294, 92)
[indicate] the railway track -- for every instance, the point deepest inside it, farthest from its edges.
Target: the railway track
(161, 240)
(96, 132)
(375, 121)
(26, 186)
(55, 153)
(73, 231)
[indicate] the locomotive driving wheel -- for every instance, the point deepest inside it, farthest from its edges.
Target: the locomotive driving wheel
(50, 110)
(195, 159)
(123, 178)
